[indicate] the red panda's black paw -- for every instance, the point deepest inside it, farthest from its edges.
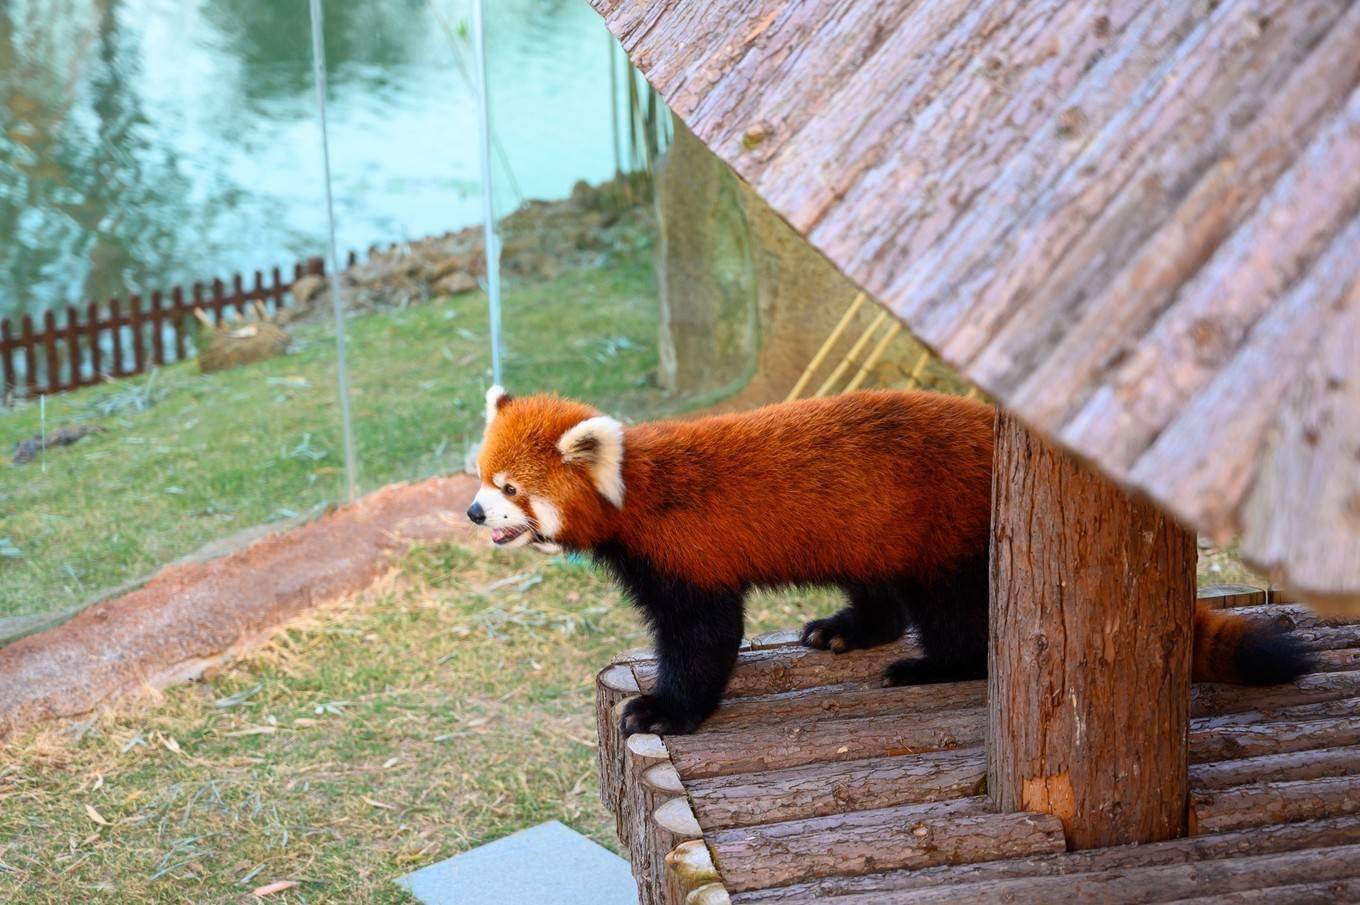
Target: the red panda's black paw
(649, 714)
(846, 631)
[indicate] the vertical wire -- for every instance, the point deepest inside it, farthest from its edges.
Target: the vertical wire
(614, 105)
(333, 256)
(491, 240)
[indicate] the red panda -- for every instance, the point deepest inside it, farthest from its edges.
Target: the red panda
(884, 494)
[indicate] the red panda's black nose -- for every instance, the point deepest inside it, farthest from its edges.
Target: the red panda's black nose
(476, 513)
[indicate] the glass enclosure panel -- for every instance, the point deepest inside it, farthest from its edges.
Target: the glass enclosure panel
(581, 137)
(160, 193)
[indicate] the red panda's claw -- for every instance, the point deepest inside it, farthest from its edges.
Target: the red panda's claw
(647, 713)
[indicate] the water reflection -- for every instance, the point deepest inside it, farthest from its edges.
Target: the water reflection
(148, 142)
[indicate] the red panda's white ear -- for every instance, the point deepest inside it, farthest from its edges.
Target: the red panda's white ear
(597, 444)
(495, 398)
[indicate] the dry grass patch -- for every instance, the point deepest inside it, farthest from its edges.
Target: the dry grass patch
(445, 707)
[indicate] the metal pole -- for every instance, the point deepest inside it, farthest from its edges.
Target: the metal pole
(333, 256)
(492, 241)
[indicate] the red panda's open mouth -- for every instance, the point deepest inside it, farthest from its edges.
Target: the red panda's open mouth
(506, 535)
(502, 536)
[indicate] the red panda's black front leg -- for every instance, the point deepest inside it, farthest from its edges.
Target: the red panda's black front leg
(697, 633)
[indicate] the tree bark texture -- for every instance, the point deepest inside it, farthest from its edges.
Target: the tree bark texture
(1091, 632)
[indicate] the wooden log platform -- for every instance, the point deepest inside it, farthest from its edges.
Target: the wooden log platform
(813, 783)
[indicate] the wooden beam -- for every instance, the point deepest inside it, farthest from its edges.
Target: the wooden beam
(1203, 881)
(1115, 861)
(911, 836)
(808, 741)
(1217, 811)
(1091, 633)
(821, 789)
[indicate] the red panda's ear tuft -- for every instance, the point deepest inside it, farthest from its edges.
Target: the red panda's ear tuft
(495, 398)
(597, 444)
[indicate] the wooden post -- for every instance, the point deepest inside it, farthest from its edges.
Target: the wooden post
(73, 344)
(178, 309)
(138, 338)
(30, 356)
(1089, 666)
(7, 347)
(116, 325)
(50, 351)
(96, 353)
(157, 329)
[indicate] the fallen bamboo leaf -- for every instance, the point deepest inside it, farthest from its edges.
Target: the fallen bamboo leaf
(390, 763)
(380, 804)
(239, 698)
(270, 888)
(251, 730)
(95, 815)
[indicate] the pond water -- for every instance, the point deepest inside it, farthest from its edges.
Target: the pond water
(149, 142)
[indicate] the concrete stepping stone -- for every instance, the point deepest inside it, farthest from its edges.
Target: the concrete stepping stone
(548, 864)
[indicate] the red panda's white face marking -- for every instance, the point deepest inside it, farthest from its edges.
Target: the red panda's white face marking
(510, 525)
(551, 470)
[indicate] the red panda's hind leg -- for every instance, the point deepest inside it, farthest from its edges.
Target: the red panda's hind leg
(950, 618)
(876, 615)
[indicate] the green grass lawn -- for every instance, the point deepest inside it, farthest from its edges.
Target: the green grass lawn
(187, 458)
(437, 711)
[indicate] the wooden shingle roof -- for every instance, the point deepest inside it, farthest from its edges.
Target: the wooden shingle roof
(1136, 225)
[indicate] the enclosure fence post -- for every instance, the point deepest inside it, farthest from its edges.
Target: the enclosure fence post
(491, 240)
(332, 255)
(1090, 651)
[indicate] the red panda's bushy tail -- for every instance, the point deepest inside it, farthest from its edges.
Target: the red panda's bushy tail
(1245, 651)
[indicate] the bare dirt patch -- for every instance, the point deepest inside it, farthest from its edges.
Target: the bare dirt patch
(193, 615)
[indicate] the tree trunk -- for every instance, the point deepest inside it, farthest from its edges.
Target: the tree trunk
(1089, 666)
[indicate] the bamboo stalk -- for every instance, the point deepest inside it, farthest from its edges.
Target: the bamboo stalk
(874, 356)
(825, 350)
(914, 378)
(850, 356)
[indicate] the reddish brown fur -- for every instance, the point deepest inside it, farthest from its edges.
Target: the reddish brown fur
(1218, 635)
(859, 487)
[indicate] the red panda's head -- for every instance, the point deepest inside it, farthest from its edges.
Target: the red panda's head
(551, 470)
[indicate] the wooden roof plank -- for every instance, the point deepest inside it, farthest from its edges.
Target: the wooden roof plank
(1102, 331)
(1126, 176)
(1205, 460)
(1093, 212)
(993, 135)
(1310, 470)
(1215, 309)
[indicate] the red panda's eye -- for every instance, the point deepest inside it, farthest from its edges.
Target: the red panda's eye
(509, 489)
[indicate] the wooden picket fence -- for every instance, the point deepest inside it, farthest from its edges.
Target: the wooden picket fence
(120, 339)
